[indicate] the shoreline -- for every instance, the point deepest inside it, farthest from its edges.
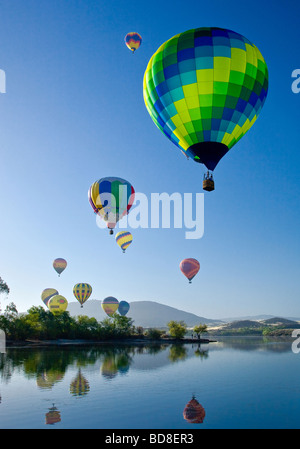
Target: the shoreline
(82, 342)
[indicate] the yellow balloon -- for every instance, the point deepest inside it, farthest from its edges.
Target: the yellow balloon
(124, 239)
(57, 304)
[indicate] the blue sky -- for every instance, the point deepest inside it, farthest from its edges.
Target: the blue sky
(73, 112)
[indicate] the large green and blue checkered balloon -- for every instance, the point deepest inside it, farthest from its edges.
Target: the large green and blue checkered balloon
(204, 89)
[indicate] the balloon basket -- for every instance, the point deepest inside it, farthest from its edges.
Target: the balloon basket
(208, 185)
(111, 231)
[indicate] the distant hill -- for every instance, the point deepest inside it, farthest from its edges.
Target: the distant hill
(256, 318)
(143, 313)
(242, 324)
(281, 322)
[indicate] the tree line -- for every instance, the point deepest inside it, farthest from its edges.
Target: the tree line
(40, 324)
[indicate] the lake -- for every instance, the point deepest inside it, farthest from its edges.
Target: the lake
(246, 382)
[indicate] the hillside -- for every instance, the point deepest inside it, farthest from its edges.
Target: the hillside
(281, 322)
(242, 324)
(143, 313)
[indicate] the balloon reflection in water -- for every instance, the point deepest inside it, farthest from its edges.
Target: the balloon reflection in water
(53, 416)
(193, 412)
(79, 386)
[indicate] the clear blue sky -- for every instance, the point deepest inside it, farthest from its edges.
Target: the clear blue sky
(73, 112)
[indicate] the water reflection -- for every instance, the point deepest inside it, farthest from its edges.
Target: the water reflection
(53, 416)
(79, 386)
(193, 412)
(48, 365)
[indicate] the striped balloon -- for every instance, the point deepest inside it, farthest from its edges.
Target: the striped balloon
(124, 239)
(47, 295)
(110, 305)
(189, 268)
(133, 41)
(59, 265)
(82, 292)
(111, 198)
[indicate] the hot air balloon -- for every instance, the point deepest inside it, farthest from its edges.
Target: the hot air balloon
(47, 294)
(124, 239)
(189, 268)
(110, 305)
(59, 265)
(204, 89)
(82, 292)
(57, 304)
(133, 41)
(194, 412)
(123, 308)
(111, 198)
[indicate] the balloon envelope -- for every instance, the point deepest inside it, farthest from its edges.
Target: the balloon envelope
(133, 41)
(123, 308)
(59, 265)
(204, 89)
(189, 268)
(111, 198)
(57, 304)
(47, 294)
(124, 239)
(194, 412)
(110, 305)
(82, 292)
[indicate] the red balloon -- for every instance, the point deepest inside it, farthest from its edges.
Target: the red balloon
(189, 268)
(194, 412)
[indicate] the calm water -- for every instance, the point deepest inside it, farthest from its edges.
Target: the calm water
(240, 383)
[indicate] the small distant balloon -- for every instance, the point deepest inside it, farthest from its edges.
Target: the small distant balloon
(59, 265)
(124, 239)
(110, 305)
(57, 304)
(193, 412)
(189, 268)
(133, 41)
(123, 308)
(47, 295)
(82, 292)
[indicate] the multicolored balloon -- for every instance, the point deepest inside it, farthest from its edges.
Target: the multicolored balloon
(47, 294)
(111, 198)
(194, 412)
(123, 308)
(204, 89)
(82, 292)
(110, 305)
(57, 304)
(124, 239)
(189, 268)
(59, 265)
(80, 385)
(133, 41)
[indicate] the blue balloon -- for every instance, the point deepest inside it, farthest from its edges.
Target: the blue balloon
(123, 308)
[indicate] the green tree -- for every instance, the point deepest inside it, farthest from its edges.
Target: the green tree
(200, 329)
(177, 329)
(3, 287)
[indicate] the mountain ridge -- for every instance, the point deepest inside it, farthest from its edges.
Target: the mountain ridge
(155, 314)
